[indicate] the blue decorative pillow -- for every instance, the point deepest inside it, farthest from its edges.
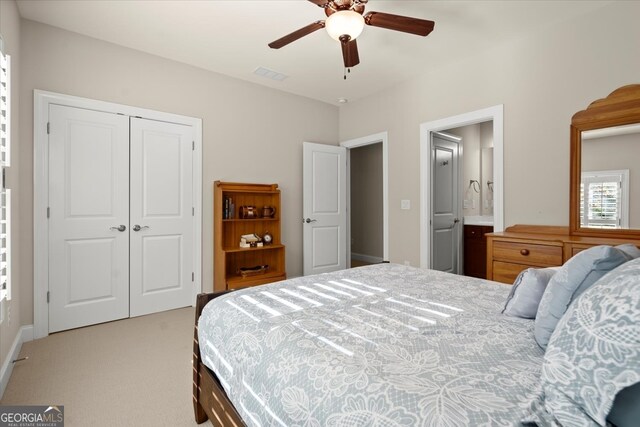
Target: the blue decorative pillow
(626, 407)
(573, 278)
(526, 292)
(593, 354)
(630, 249)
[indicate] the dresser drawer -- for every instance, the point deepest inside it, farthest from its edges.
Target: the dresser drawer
(529, 254)
(506, 272)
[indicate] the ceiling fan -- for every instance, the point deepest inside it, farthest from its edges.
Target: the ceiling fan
(345, 21)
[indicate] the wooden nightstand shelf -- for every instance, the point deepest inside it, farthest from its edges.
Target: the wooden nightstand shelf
(229, 257)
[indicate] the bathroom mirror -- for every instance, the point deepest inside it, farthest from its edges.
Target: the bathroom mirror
(605, 166)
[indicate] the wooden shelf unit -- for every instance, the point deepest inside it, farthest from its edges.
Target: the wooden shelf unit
(228, 256)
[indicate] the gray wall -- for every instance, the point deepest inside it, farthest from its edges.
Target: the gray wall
(470, 167)
(366, 200)
(541, 80)
(250, 133)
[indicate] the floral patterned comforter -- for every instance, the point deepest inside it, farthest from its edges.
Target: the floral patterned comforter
(383, 345)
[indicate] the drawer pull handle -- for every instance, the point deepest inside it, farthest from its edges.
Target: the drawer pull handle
(524, 252)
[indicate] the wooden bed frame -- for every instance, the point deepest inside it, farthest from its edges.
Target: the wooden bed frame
(209, 398)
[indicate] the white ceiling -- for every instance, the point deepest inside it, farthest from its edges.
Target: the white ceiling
(230, 37)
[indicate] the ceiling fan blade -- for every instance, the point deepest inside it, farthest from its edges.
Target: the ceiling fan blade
(321, 3)
(420, 27)
(350, 53)
(283, 41)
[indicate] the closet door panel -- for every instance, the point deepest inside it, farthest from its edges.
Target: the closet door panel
(161, 216)
(89, 217)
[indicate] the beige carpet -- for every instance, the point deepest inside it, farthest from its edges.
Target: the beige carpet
(133, 372)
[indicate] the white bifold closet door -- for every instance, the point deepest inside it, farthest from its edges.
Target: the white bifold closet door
(161, 216)
(120, 217)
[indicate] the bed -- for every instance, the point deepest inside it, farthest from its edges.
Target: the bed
(378, 345)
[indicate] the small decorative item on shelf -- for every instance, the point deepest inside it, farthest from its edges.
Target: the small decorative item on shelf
(268, 212)
(253, 271)
(250, 241)
(247, 212)
(267, 238)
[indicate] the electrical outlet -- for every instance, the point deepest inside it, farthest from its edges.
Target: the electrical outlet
(405, 204)
(466, 204)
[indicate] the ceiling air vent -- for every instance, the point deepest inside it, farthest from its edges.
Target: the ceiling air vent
(269, 74)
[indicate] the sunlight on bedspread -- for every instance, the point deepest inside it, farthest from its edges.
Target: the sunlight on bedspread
(385, 344)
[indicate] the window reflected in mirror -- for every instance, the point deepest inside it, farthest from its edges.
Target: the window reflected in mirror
(604, 199)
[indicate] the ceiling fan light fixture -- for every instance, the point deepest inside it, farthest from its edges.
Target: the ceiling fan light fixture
(344, 22)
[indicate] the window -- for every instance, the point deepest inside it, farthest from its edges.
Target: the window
(5, 194)
(604, 199)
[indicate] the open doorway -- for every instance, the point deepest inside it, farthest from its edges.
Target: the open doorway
(366, 222)
(489, 186)
(367, 200)
(465, 248)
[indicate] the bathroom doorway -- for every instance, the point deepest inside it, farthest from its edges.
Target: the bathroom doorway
(481, 195)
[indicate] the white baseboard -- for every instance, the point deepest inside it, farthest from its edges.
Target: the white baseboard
(366, 258)
(24, 334)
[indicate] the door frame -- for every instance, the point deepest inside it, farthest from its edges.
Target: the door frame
(495, 114)
(41, 102)
(376, 138)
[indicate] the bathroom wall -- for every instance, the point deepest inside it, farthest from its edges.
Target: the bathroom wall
(477, 165)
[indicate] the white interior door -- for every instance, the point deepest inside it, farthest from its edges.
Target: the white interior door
(89, 217)
(445, 220)
(161, 216)
(324, 208)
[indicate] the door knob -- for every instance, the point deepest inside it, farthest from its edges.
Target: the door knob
(456, 220)
(308, 220)
(121, 228)
(138, 228)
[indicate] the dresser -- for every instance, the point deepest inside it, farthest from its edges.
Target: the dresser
(522, 246)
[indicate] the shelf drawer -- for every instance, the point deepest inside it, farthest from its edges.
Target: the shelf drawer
(506, 272)
(529, 254)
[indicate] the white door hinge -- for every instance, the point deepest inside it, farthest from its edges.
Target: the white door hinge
(47, 297)
(48, 211)
(193, 276)
(193, 146)
(48, 128)
(193, 211)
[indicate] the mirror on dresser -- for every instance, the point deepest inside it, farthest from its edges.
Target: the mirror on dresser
(605, 167)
